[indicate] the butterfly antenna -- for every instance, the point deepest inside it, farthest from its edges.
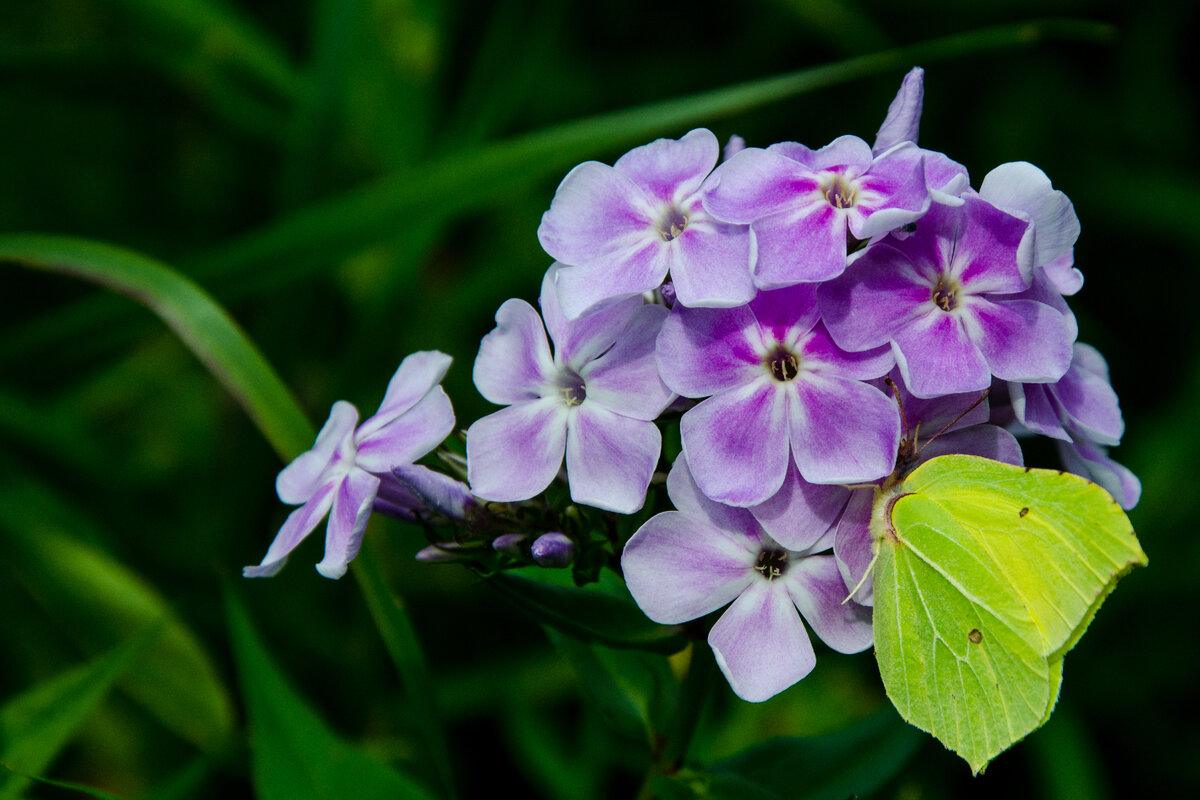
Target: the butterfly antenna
(863, 579)
(896, 393)
(954, 421)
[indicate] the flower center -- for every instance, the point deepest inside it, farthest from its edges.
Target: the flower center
(673, 223)
(772, 563)
(783, 364)
(838, 193)
(945, 294)
(572, 388)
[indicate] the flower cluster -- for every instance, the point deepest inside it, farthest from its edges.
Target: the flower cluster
(816, 320)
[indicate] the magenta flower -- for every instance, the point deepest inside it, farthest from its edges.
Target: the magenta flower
(781, 390)
(342, 473)
(947, 299)
(593, 400)
(801, 204)
(621, 230)
(684, 564)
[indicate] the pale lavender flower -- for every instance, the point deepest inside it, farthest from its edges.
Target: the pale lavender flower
(780, 390)
(593, 400)
(948, 300)
(684, 564)
(1081, 411)
(801, 203)
(620, 231)
(342, 473)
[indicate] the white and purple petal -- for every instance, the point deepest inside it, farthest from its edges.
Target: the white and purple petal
(347, 522)
(610, 458)
(760, 643)
(416, 376)
(817, 589)
(515, 453)
(514, 362)
(299, 524)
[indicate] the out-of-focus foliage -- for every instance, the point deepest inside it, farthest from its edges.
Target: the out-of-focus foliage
(358, 179)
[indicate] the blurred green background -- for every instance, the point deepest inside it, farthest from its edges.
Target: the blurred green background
(358, 179)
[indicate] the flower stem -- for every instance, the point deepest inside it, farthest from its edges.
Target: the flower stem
(672, 749)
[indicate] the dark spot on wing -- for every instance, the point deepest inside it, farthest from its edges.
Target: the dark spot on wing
(975, 637)
(1023, 511)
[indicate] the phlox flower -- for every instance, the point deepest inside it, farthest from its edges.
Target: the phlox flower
(684, 564)
(948, 299)
(341, 475)
(620, 230)
(594, 399)
(781, 390)
(1081, 410)
(800, 204)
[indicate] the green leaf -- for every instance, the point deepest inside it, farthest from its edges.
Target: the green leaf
(38, 723)
(203, 325)
(97, 601)
(294, 756)
(850, 763)
(68, 785)
(986, 574)
(589, 614)
(633, 690)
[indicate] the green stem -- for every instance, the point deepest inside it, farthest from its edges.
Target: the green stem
(400, 639)
(694, 692)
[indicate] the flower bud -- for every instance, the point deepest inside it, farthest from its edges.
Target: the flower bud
(552, 550)
(509, 543)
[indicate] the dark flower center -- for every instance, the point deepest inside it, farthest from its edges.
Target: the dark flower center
(772, 563)
(839, 194)
(673, 223)
(783, 364)
(945, 294)
(572, 388)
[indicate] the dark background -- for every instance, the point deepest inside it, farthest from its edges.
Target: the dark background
(146, 124)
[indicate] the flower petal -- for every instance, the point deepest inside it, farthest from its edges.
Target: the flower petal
(756, 183)
(299, 524)
(687, 497)
(514, 360)
(596, 211)
(626, 273)
(671, 170)
(736, 443)
(625, 378)
(702, 351)
(514, 453)
(610, 458)
(301, 479)
(710, 264)
(817, 589)
(936, 356)
(852, 547)
(903, 120)
(800, 513)
(680, 567)
(842, 431)
(347, 522)
(1022, 340)
(760, 643)
(414, 378)
(409, 437)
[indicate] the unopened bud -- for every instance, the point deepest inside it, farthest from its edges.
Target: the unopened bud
(552, 550)
(509, 543)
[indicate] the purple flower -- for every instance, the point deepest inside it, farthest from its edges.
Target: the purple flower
(593, 400)
(780, 390)
(947, 299)
(622, 229)
(1081, 411)
(341, 475)
(681, 565)
(801, 204)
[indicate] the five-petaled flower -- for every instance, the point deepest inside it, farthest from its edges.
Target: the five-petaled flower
(684, 564)
(342, 473)
(593, 400)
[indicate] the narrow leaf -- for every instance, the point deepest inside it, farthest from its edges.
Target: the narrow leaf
(36, 724)
(294, 756)
(203, 325)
